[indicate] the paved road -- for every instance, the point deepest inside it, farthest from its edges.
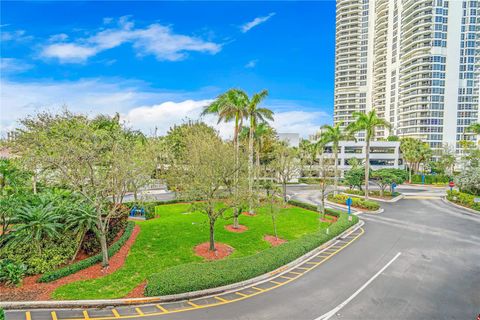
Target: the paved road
(419, 259)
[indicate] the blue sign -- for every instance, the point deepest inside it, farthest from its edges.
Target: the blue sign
(394, 185)
(349, 203)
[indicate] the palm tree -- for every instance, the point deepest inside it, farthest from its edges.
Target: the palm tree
(334, 135)
(36, 224)
(81, 220)
(367, 122)
(255, 115)
(231, 105)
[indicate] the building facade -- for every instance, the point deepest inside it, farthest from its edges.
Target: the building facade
(417, 62)
(383, 154)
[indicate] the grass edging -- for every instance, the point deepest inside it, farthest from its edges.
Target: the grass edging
(395, 199)
(467, 211)
(88, 262)
(202, 276)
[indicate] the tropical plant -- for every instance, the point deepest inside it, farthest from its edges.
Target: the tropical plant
(334, 135)
(81, 220)
(414, 152)
(367, 122)
(36, 224)
(11, 273)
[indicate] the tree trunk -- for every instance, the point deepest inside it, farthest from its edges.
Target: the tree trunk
(274, 225)
(235, 218)
(410, 174)
(103, 245)
(284, 186)
(212, 238)
(335, 187)
(79, 245)
(250, 166)
(367, 165)
(34, 183)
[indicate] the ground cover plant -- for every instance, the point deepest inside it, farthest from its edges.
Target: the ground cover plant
(169, 240)
(356, 202)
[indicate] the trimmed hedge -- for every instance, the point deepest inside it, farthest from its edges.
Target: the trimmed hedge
(356, 202)
(75, 267)
(372, 193)
(464, 199)
(312, 207)
(431, 178)
(199, 276)
(309, 180)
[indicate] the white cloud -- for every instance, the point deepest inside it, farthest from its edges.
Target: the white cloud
(139, 105)
(251, 64)
(155, 39)
(12, 65)
(58, 37)
(255, 22)
(17, 36)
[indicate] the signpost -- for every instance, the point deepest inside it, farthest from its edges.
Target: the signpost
(423, 179)
(394, 185)
(349, 204)
(451, 184)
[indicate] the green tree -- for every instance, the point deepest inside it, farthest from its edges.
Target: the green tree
(475, 128)
(81, 219)
(285, 166)
(334, 135)
(308, 152)
(367, 122)
(385, 177)
(89, 156)
(414, 152)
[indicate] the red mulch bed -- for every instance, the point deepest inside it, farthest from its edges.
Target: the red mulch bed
(138, 292)
(274, 241)
(31, 290)
(240, 229)
(332, 219)
(221, 251)
(250, 214)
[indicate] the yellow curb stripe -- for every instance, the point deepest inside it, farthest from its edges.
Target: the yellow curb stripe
(140, 312)
(54, 315)
(115, 313)
(298, 273)
(221, 299)
(259, 289)
(85, 314)
(241, 294)
(28, 316)
(193, 304)
(161, 308)
(276, 282)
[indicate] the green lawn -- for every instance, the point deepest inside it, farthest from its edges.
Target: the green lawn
(169, 241)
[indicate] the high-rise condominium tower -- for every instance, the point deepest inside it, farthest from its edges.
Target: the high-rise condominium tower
(417, 62)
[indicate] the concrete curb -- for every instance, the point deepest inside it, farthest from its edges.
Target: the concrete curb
(427, 185)
(397, 198)
(15, 305)
(471, 212)
(356, 210)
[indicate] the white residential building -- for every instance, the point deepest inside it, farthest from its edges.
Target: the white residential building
(417, 62)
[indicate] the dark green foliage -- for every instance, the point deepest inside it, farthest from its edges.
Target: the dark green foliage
(2, 314)
(199, 276)
(372, 193)
(91, 244)
(310, 180)
(355, 177)
(312, 207)
(464, 199)
(75, 267)
(12, 273)
(431, 178)
(356, 202)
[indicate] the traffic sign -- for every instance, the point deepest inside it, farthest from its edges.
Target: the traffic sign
(476, 200)
(451, 184)
(349, 203)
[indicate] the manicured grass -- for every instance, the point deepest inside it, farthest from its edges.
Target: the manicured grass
(169, 240)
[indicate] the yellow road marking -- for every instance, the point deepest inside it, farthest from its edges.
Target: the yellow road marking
(241, 294)
(221, 299)
(286, 278)
(161, 308)
(276, 282)
(85, 314)
(140, 312)
(193, 304)
(115, 313)
(421, 197)
(28, 316)
(315, 263)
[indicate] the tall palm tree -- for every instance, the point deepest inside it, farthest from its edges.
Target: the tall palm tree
(231, 105)
(334, 135)
(367, 122)
(255, 115)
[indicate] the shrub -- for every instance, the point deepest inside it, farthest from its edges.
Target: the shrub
(12, 273)
(2, 314)
(91, 244)
(53, 253)
(469, 181)
(309, 180)
(356, 202)
(431, 178)
(75, 267)
(464, 199)
(199, 276)
(372, 193)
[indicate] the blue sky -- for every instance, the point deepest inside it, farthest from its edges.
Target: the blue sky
(158, 63)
